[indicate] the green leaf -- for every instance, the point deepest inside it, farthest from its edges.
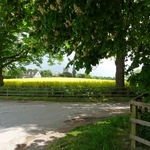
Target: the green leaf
(147, 2)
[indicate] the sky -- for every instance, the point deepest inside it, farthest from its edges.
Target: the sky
(106, 68)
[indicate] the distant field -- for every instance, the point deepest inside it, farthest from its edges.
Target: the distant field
(57, 81)
(58, 87)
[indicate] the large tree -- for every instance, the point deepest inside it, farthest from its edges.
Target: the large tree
(140, 55)
(92, 29)
(18, 45)
(46, 73)
(15, 43)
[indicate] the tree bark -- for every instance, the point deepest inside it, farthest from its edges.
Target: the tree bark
(1, 78)
(73, 71)
(120, 65)
(1, 69)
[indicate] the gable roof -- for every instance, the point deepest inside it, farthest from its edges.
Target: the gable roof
(30, 74)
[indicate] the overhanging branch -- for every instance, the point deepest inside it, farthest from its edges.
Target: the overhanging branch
(15, 56)
(14, 59)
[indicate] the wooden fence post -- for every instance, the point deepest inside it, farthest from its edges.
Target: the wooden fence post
(7, 92)
(133, 125)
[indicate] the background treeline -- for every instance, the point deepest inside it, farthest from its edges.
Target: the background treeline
(19, 72)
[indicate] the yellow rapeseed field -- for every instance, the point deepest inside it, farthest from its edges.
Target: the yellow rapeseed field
(57, 86)
(58, 81)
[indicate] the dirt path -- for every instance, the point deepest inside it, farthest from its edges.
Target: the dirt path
(34, 125)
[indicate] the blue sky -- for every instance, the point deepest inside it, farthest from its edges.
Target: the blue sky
(106, 68)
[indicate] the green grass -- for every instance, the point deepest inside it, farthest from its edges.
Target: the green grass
(64, 99)
(109, 134)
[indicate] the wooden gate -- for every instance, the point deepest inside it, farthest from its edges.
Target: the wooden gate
(137, 108)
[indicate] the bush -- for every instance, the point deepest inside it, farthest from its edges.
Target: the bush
(61, 75)
(144, 131)
(80, 75)
(88, 76)
(67, 74)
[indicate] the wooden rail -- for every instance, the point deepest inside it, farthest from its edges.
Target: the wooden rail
(136, 107)
(64, 92)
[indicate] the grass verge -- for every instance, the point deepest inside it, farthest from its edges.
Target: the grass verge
(109, 134)
(65, 99)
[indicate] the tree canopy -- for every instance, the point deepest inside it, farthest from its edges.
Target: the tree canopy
(46, 73)
(18, 45)
(77, 26)
(93, 29)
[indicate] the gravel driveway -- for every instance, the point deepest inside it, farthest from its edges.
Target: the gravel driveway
(33, 125)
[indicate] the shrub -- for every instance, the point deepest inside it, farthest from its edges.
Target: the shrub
(80, 75)
(67, 74)
(61, 75)
(144, 131)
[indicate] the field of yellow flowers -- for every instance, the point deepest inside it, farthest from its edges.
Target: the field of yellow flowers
(54, 81)
(53, 87)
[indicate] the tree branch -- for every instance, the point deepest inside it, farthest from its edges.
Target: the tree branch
(15, 59)
(14, 56)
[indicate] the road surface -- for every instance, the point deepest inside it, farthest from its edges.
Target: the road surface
(33, 125)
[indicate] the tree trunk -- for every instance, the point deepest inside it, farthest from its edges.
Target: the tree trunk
(73, 71)
(120, 72)
(1, 75)
(1, 78)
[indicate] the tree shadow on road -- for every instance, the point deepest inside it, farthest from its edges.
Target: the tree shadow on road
(38, 124)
